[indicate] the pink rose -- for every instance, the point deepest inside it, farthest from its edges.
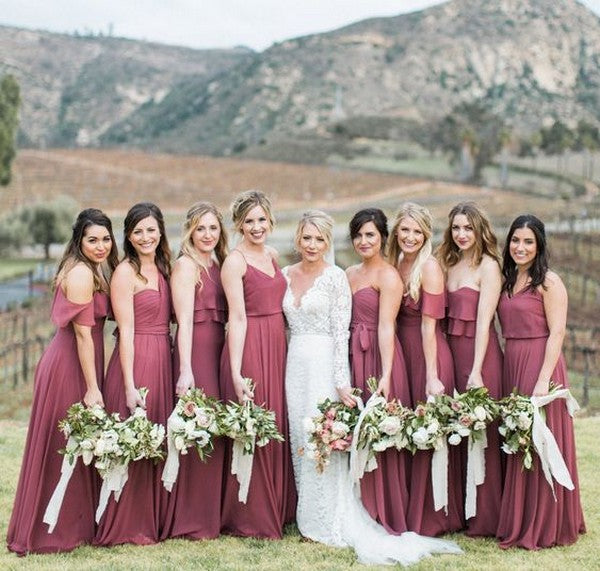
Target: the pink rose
(465, 420)
(328, 424)
(339, 445)
(456, 406)
(189, 409)
(420, 410)
(330, 414)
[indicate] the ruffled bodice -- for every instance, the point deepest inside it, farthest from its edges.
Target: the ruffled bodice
(324, 310)
(210, 303)
(462, 312)
(530, 305)
(411, 311)
(263, 294)
(152, 309)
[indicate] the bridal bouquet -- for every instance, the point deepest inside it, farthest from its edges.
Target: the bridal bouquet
(249, 426)
(472, 411)
(516, 412)
(331, 430)
(426, 425)
(192, 424)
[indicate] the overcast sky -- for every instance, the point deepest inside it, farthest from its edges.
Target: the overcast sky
(204, 23)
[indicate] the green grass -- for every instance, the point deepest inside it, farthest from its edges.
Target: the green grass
(14, 267)
(293, 552)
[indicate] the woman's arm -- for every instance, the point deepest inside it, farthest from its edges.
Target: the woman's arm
(183, 290)
(234, 268)
(432, 282)
(390, 297)
(489, 294)
(122, 287)
(555, 305)
(79, 288)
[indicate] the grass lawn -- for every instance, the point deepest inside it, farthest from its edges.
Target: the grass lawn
(292, 552)
(13, 267)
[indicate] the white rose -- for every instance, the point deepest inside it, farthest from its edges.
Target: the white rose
(202, 438)
(100, 447)
(480, 413)
(420, 437)
(506, 448)
(479, 426)
(523, 421)
(380, 445)
(390, 425)
(86, 444)
(463, 431)
(510, 422)
(176, 423)
(339, 428)
(433, 427)
(204, 420)
(139, 412)
(98, 411)
(454, 439)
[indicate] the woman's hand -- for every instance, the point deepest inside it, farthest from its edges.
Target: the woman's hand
(242, 390)
(475, 381)
(345, 394)
(134, 399)
(434, 387)
(93, 397)
(384, 386)
(185, 382)
(541, 388)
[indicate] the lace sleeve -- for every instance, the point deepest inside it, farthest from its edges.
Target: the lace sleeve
(340, 309)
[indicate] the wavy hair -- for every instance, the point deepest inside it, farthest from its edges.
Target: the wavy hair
(423, 218)
(134, 216)
(449, 254)
(539, 268)
(245, 202)
(192, 221)
(321, 221)
(74, 254)
(366, 215)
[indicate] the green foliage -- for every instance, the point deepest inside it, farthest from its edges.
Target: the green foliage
(49, 223)
(9, 107)
(13, 234)
(557, 138)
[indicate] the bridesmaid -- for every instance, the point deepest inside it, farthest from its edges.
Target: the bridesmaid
(194, 511)
(141, 303)
(530, 516)
(70, 370)
(375, 351)
(469, 256)
(256, 348)
(428, 359)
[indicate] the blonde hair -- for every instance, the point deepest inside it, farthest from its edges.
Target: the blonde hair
(245, 202)
(423, 218)
(448, 253)
(192, 220)
(321, 221)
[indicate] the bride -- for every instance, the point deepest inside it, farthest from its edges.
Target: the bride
(317, 305)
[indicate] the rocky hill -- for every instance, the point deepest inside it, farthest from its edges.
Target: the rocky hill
(531, 60)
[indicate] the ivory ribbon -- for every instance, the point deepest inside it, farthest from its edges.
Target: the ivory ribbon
(439, 476)
(241, 466)
(359, 458)
(114, 481)
(475, 472)
(553, 464)
(171, 469)
(55, 503)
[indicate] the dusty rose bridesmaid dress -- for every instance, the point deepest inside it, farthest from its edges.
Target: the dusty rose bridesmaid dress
(462, 318)
(422, 517)
(139, 515)
(194, 509)
(384, 491)
(529, 515)
(271, 496)
(59, 383)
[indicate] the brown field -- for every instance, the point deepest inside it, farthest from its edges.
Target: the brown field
(114, 180)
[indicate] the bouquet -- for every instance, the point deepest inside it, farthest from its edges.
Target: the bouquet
(426, 425)
(249, 426)
(331, 430)
(516, 413)
(192, 424)
(472, 411)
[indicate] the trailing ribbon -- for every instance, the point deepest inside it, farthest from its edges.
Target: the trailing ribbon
(439, 476)
(359, 458)
(241, 466)
(475, 472)
(553, 464)
(55, 503)
(171, 469)
(114, 481)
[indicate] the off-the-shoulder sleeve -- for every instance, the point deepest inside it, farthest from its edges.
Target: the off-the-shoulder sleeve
(433, 304)
(65, 311)
(340, 310)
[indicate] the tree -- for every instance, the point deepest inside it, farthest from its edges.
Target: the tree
(587, 140)
(49, 223)
(472, 134)
(9, 119)
(556, 140)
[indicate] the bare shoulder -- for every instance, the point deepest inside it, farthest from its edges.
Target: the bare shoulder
(124, 270)
(553, 281)
(272, 252)
(489, 266)
(432, 276)
(79, 272)
(351, 270)
(78, 283)
(184, 267)
(234, 263)
(389, 276)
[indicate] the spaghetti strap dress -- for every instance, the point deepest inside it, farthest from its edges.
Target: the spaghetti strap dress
(194, 509)
(530, 517)
(462, 319)
(59, 382)
(139, 515)
(271, 498)
(384, 491)
(422, 516)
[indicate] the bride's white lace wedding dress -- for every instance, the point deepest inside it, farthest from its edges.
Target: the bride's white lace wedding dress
(329, 510)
